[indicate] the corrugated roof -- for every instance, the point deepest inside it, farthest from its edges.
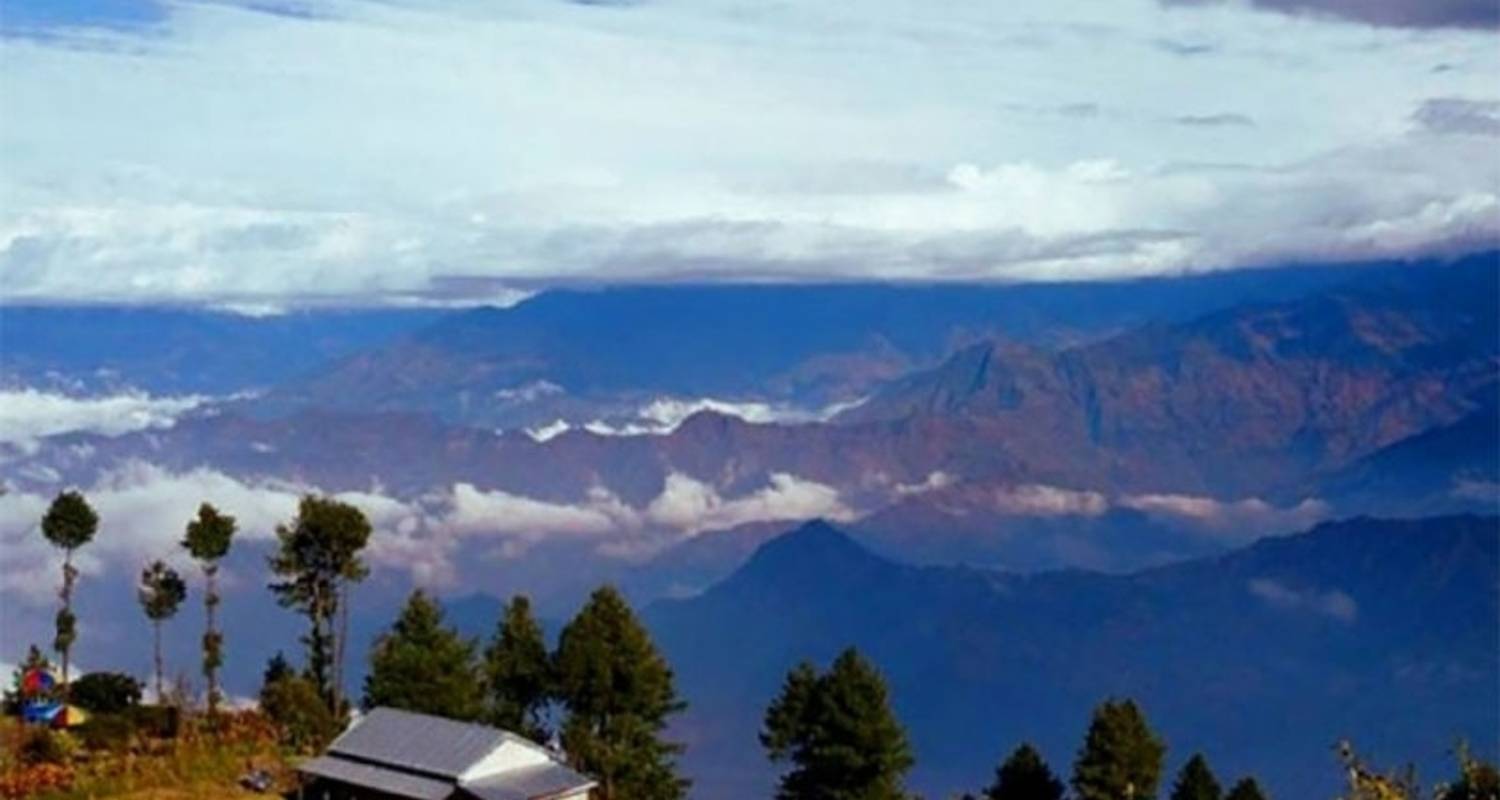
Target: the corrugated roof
(369, 776)
(539, 782)
(442, 747)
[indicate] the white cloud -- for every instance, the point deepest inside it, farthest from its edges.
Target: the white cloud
(476, 511)
(1048, 501)
(143, 509)
(529, 392)
(664, 415)
(551, 430)
(1248, 516)
(28, 414)
(685, 506)
(389, 145)
(934, 481)
(1332, 603)
(692, 506)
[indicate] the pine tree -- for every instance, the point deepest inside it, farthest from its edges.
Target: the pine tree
(422, 665)
(70, 523)
(1477, 779)
(1196, 781)
(518, 673)
(161, 592)
(277, 667)
(1121, 757)
(619, 692)
(839, 733)
(1025, 776)
(208, 538)
(1246, 789)
(318, 557)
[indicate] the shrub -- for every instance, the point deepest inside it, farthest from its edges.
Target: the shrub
(302, 719)
(105, 692)
(107, 732)
(158, 722)
(43, 746)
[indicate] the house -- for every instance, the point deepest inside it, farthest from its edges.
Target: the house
(391, 754)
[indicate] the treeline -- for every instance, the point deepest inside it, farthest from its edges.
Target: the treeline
(605, 694)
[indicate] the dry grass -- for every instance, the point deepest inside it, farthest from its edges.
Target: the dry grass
(191, 767)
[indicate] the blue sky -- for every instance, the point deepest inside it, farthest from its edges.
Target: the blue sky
(256, 155)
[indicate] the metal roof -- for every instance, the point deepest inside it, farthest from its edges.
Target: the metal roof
(539, 782)
(370, 776)
(434, 745)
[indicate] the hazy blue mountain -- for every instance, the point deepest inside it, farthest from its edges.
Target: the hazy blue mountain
(168, 350)
(1449, 468)
(1236, 400)
(608, 350)
(1383, 631)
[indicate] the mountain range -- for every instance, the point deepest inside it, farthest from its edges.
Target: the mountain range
(1045, 494)
(1382, 631)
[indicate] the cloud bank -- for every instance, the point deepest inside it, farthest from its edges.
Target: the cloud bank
(409, 151)
(143, 509)
(664, 415)
(1475, 14)
(1332, 603)
(27, 415)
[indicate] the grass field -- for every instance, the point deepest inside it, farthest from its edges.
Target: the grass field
(190, 767)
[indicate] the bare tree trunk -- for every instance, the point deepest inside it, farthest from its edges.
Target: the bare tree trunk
(67, 602)
(156, 625)
(211, 600)
(338, 648)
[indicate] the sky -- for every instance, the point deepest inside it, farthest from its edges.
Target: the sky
(258, 154)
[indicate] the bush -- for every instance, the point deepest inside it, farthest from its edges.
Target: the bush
(107, 732)
(43, 746)
(105, 692)
(302, 719)
(158, 722)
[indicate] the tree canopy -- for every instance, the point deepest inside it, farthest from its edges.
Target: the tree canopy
(619, 692)
(70, 522)
(1246, 789)
(209, 534)
(1024, 776)
(161, 591)
(518, 672)
(317, 555)
(422, 665)
(1196, 781)
(839, 733)
(1121, 757)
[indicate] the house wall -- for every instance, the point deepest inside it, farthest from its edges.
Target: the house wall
(504, 758)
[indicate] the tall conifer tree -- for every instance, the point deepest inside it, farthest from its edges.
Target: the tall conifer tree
(619, 693)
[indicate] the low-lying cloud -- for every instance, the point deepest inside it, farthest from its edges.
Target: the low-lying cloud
(1249, 516)
(1331, 603)
(1474, 14)
(665, 415)
(1459, 115)
(143, 509)
(1035, 500)
(28, 414)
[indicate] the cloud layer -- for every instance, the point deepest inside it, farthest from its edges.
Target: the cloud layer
(393, 150)
(144, 507)
(27, 415)
(1476, 14)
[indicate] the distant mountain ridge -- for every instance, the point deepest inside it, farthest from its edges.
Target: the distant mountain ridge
(612, 349)
(1379, 630)
(166, 350)
(1228, 402)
